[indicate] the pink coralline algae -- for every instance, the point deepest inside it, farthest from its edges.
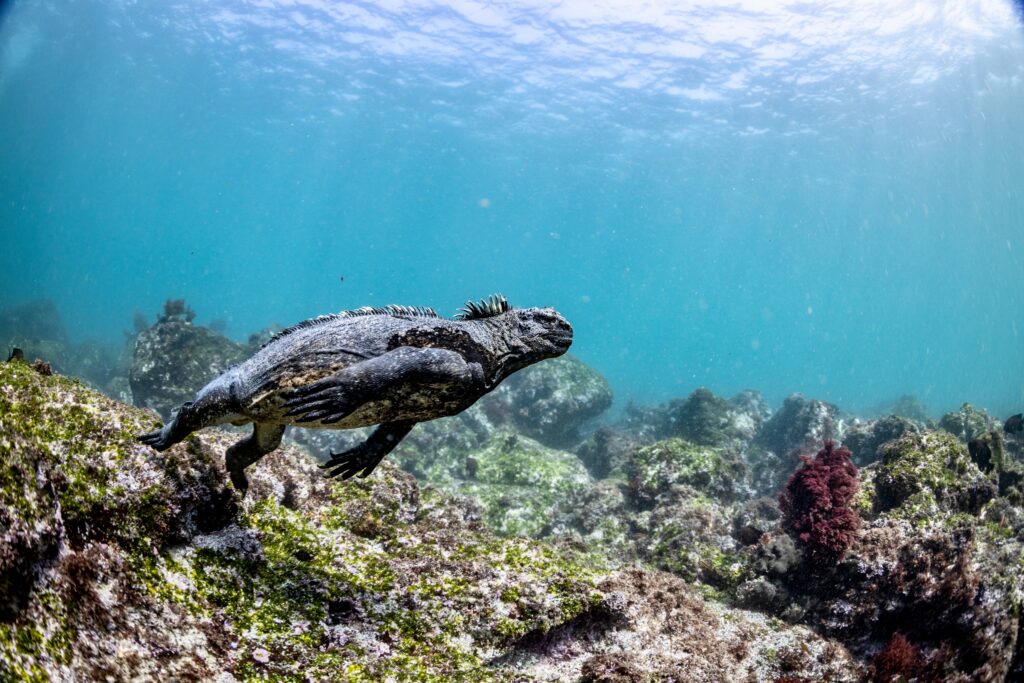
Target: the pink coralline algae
(816, 504)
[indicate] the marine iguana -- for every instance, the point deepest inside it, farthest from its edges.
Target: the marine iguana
(391, 366)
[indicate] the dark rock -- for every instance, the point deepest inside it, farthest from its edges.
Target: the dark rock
(174, 359)
(1014, 424)
(777, 556)
(967, 423)
(756, 519)
(986, 451)
(550, 401)
(800, 426)
(864, 438)
(605, 451)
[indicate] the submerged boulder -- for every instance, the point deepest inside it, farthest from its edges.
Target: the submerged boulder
(550, 401)
(865, 438)
(798, 427)
(174, 359)
(968, 423)
(923, 474)
(522, 485)
(709, 420)
(654, 470)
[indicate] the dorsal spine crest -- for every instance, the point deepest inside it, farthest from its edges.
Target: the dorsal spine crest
(390, 309)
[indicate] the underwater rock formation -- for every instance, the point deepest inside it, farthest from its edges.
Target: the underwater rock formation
(864, 438)
(120, 563)
(174, 358)
(709, 420)
(937, 558)
(967, 423)
(798, 426)
(522, 485)
(550, 401)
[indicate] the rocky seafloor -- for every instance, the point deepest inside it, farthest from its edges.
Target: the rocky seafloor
(526, 539)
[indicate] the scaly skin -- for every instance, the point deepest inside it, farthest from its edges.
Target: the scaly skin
(392, 367)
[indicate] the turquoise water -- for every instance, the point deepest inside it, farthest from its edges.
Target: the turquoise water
(817, 197)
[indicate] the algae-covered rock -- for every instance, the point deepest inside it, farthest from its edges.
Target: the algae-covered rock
(653, 470)
(968, 423)
(709, 420)
(655, 627)
(606, 451)
(174, 359)
(864, 438)
(800, 422)
(924, 474)
(550, 401)
(798, 427)
(120, 563)
(522, 484)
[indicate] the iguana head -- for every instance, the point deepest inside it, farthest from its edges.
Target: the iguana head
(520, 336)
(541, 332)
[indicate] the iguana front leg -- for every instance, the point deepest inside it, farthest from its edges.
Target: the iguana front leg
(334, 398)
(366, 456)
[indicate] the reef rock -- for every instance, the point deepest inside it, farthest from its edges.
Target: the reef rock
(968, 423)
(550, 401)
(936, 559)
(522, 484)
(118, 563)
(174, 359)
(654, 627)
(925, 474)
(864, 438)
(709, 420)
(606, 450)
(797, 428)
(653, 471)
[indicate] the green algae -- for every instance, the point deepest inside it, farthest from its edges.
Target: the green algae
(656, 468)
(519, 483)
(422, 600)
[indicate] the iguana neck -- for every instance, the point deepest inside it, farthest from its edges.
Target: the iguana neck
(506, 351)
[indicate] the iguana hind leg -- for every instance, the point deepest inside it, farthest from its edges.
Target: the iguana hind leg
(264, 439)
(365, 457)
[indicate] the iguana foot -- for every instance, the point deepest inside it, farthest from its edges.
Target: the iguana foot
(160, 439)
(361, 460)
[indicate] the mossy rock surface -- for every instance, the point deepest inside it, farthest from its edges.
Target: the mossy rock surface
(522, 484)
(550, 401)
(928, 474)
(653, 471)
(134, 565)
